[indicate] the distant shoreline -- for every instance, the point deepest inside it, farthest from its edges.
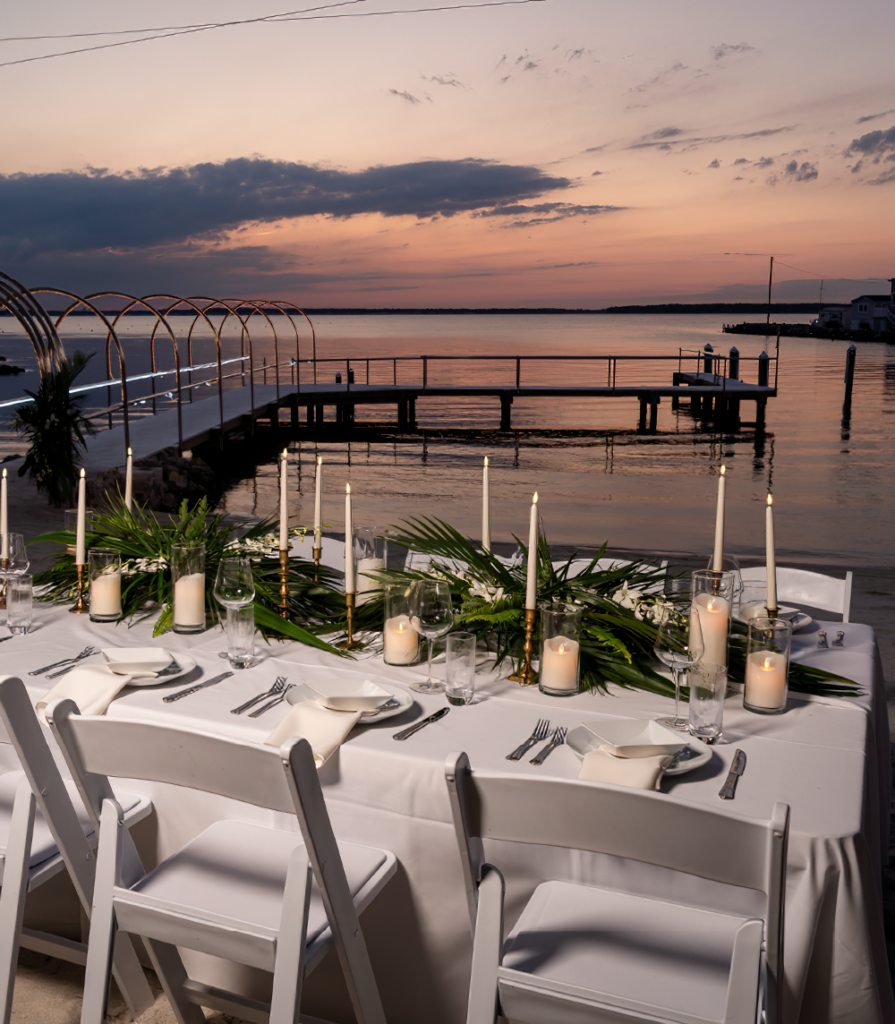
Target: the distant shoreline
(726, 308)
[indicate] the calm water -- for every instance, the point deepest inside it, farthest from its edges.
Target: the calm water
(833, 484)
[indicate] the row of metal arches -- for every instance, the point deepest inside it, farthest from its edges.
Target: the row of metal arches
(43, 332)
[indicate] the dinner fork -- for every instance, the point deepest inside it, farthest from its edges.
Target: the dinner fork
(556, 740)
(275, 689)
(540, 733)
(271, 703)
(84, 654)
(72, 663)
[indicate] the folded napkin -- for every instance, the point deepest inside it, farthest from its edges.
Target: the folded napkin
(91, 687)
(637, 772)
(325, 730)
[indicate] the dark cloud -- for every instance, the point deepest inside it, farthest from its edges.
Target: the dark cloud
(874, 146)
(794, 171)
(86, 211)
(726, 49)
(873, 117)
(544, 213)
(451, 80)
(663, 133)
(690, 143)
(409, 97)
(714, 165)
(596, 174)
(886, 178)
(765, 161)
(672, 71)
(739, 161)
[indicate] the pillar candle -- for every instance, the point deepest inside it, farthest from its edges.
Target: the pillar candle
(531, 589)
(105, 594)
(129, 481)
(284, 500)
(400, 641)
(771, 557)
(559, 668)
(718, 558)
(714, 619)
(81, 532)
(350, 585)
(318, 496)
(486, 508)
(765, 680)
(366, 584)
(189, 600)
(4, 519)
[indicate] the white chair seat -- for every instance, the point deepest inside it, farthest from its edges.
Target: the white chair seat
(235, 872)
(43, 845)
(578, 942)
(811, 589)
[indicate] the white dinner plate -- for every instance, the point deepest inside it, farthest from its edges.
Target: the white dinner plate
(581, 741)
(349, 694)
(185, 663)
(404, 699)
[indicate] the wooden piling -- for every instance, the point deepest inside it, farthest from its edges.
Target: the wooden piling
(506, 412)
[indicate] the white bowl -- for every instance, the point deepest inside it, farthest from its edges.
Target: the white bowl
(349, 694)
(636, 737)
(137, 660)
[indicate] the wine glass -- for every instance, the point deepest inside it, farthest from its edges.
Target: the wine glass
(679, 642)
(434, 616)
(234, 588)
(14, 560)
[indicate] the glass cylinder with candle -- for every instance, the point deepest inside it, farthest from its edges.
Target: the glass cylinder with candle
(767, 665)
(104, 573)
(400, 641)
(70, 524)
(713, 594)
(188, 578)
(560, 664)
(369, 557)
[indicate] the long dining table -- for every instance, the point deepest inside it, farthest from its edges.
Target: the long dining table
(828, 758)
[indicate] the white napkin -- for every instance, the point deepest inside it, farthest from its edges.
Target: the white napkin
(637, 772)
(91, 687)
(325, 730)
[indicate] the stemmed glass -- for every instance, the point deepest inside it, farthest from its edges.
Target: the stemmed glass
(15, 561)
(234, 588)
(678, 641)
(433, 617)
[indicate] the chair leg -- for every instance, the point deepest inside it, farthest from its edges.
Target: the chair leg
(15, 887)
(486, 946)
(102, 917)
(171, 973)
(291, 940)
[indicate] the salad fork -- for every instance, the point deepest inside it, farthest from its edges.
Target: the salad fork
(273, 691)
(65, 661)
(556, 740)
(72, 663)
(271, 703)
(541, 732)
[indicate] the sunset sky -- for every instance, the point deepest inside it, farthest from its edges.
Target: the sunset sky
(553, 153)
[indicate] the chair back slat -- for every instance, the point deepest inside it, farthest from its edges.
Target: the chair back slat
(803, 587)
(649, 827)
(122, 748)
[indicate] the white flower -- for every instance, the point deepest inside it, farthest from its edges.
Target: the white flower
(487, 593)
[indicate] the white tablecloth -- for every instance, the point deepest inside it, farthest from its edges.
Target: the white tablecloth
(829, 759)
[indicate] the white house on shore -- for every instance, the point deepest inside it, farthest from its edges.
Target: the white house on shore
(874, 313)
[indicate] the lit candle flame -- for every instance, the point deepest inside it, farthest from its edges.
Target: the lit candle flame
(348, 488)
(767, 663)
(285, 453)
(770, 499)
(486, 460)
(4, 472)
(710, 606)
(562, 649)
(319, 460)
(534, 499)
(723, 470)
(130, 451)
(83, 472)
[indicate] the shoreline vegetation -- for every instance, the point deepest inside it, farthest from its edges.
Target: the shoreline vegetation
(665, 308)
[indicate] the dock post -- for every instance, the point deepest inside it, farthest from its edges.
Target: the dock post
(764, 370)
(310, 415)
(293, 412)
(733, 371)
(675, 382)
(708, 359)
(411, 413)
(760, 405)
(506, 408)
(654, 400)
(318, 415)
(641, 425)
(850, 357)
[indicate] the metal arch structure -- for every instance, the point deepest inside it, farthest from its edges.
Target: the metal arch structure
(259, 303)
(111, 336)
(257, 308)
(286, 307)
(246, 334)
(35, 322)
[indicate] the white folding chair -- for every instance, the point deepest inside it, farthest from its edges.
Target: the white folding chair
(45, 829)
(802, 587)
(581, 953)
(236, 891)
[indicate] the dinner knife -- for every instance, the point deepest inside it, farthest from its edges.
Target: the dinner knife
(194, 689)
(404, 733)
(736, 770)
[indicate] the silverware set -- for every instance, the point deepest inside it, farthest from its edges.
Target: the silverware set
(272, 703)
(541, 732)
(822, 639)
(278, 687)
(736, 770)
(68, 662)
(556, 740)
(195, 689)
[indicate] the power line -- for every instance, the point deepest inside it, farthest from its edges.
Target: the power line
(269, 19)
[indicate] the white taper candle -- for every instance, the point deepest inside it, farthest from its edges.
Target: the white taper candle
(129, 481)
(318, 499)
(81, 534)
(284, 500)
(350, 583)
(718, 557)
(771, 557)
(531, 589)
(4, 519)
(486, 508)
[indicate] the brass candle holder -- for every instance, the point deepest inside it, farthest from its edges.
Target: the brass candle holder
(317, 552)
(526, 674)
(349, 643)
(80, 607)
(4, 562)
(284, 583)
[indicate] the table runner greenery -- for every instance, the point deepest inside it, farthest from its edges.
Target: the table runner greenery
(620, 604)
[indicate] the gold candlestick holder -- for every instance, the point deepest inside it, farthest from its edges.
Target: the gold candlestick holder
(284, 583)
(349, 643)
(317, 551)
(80, 607)
(4, 562)
(526, 674)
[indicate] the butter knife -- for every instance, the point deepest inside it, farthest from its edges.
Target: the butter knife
(404, 733)
(195, 689)
(736, 770)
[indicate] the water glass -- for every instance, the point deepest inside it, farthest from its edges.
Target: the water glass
(679, 642)
(767, 665)
(240, 630)
(19, 606)
(369, 558)
(188, 578)
(708, 687)
(459, 680)
(104, 573)
(559, 668)
(400, 641)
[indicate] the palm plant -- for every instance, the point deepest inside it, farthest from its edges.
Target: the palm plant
(55, 428)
